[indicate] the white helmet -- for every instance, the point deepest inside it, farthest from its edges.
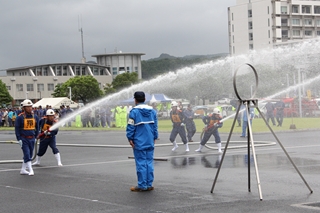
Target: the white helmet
(26, 102)
(174, 104)
(50, 112)
(216, 111)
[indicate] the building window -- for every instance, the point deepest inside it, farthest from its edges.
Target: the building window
(268, 9)
(284, 33)
(45, 71)
(317, 9)
(38, 72)
(308, 22)
(284, 22)
(308, 33)
(232, 16)
(268, 33)
(318, 22)
(268, 22)
(250, 46)
(318, 33)
(29, 87)
(136, 69)
(295, 32)
(40, 87)
(101, 71)
(114, 70)
(250, 36)
(306, 9)
(19, 87)
(283, 9)
(8, 87)
(50, 87)
(249, 13)
(295, 8)
(232, 39)
(58, 71)
(83, 71)
(250, 25)
(295, 22)
(65, 70)
(95, 71)
(232, 28)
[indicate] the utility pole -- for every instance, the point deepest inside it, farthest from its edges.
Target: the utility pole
(83, 60)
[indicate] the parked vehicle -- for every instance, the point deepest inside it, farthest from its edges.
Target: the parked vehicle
(224, 101)
(200, 111)
(309, 108)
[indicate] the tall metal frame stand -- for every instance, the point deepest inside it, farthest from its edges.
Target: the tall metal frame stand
(250, 143)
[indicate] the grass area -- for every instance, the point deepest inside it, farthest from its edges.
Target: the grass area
(258, 125)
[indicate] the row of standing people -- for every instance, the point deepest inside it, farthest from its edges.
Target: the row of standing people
(8, 116)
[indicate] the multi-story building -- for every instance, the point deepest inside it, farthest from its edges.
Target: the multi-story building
(119, 62)
(261, 24)
(36, 82)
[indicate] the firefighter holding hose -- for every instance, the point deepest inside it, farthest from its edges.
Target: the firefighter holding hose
(48, 137)
(212, 122)
(26, 130)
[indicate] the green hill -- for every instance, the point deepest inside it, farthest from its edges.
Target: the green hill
(165, 63)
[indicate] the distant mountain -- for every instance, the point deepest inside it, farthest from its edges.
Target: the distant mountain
(165, 63)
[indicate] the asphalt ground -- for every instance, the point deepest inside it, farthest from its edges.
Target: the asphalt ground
(98, 179)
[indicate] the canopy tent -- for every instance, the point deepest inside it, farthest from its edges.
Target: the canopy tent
(160, 98)
(55, 103)
(155, 98)
(131, 100)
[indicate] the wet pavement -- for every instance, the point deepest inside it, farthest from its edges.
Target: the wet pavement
(98, 179)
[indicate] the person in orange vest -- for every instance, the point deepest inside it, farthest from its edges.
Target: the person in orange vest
(212, 122)
(26, 130)
(178, 127)
(48, 137)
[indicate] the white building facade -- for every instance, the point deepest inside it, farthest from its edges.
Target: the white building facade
(261, 24)
(119, 62)
(36, 82)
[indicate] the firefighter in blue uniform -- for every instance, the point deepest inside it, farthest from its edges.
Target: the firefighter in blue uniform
(142, 132)
(48, 137)
(212, 122)
(177, 119)
(26, 130)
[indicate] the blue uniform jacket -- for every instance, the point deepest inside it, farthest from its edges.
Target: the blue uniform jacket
(19, 126)
(142, 127)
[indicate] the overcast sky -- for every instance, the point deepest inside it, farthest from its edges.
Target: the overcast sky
(37, 32)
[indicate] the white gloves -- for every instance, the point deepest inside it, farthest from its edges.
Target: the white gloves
(47, 132)
(216, 125)
(20, 143)
(182, 124)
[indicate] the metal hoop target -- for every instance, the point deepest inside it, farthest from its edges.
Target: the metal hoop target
(235, 83)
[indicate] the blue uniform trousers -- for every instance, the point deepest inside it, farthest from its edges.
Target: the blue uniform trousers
(27, 148)
(177, 129)
(244, 127)
(213, 131)
(144, 167)
(44, 143)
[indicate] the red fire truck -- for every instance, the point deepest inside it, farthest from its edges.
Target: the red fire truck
(309, 108)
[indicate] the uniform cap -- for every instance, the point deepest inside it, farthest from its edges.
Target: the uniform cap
(26, 102)
(50, 112)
